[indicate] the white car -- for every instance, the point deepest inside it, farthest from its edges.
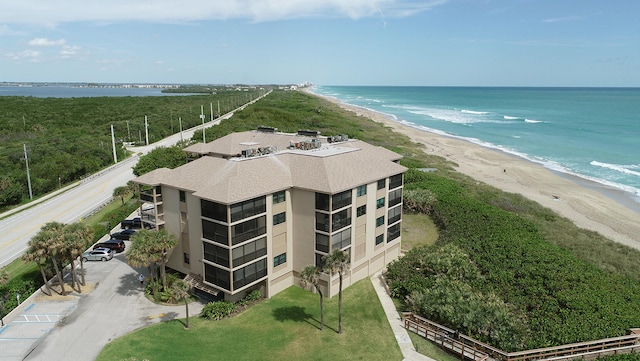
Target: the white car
(98, 254)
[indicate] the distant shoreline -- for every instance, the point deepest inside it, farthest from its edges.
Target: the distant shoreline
(590, 205)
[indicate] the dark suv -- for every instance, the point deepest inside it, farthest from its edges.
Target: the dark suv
(131, 223)
(116, 245)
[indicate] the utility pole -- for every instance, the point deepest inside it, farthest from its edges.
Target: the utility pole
(146, 129)
(128, 131)
(218, 108)
(26, 160)
(113, 143)
(211, 105)
(204, 139)
(180, 121)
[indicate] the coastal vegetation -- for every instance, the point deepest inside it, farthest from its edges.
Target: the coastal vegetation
(66, 139)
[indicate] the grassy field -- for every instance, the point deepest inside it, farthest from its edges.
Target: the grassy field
(285, 327)
(417, 230)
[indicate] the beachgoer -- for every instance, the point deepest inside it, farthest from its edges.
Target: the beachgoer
(141, 279)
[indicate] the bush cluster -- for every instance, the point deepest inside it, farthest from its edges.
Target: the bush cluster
(220, 309)
(562, 299)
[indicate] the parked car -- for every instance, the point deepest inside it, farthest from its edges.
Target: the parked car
(131, 223)
(117, 245)
(123, 235)
(98, 254)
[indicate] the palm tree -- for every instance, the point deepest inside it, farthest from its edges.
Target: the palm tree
(51, 236)
(139, 254)
(181, 289)
(76, 239)
(37, 252)
(162, 242)
(79, 236)
(311, 275)
(121, 192)
(337, 262)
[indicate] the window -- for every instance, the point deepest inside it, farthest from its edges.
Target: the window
(341, 219)
(379, 239)
(216, 276)
(214, 210)
(361, 211)
(185, 258)
(379, 221)
(362, 190)
(395, 181)
(248, 229)
(279, 197)
(279, 259)
(320, 260)
(380, 203)
(322, 242)
(395, 197)
(341, 239)
(249, 252)
(341, 199)
(216, 232)
(394, 214)
(279, 218)
(393, 232)
(322, 201)
(322, 222)
(382, 183)
(248, 208)
(249, 273)
(216, 254)
(183, 196)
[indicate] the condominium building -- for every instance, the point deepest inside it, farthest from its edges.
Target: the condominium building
(253, 209)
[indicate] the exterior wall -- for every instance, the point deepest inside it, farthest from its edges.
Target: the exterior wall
(279, 240)
(303, 218)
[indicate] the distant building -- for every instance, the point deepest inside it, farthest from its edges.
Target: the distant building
(254, 208)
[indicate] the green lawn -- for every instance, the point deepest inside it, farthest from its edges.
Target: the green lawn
(285, 327)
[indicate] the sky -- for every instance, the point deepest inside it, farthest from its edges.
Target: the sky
(325, 42)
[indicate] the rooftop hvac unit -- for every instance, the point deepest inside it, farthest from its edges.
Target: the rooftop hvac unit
(267, 129)
(309, 133)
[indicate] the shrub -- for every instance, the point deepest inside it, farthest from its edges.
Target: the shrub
(218, 310)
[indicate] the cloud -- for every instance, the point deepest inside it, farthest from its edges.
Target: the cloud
(37, 12)
(69, 51)
(32, 56)
(46, 42)
(561, 20)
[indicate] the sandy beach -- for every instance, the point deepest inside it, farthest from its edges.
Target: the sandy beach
(590, 206)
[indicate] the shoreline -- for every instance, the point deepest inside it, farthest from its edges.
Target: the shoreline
(588, 204)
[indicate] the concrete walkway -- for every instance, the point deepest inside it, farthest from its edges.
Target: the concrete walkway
(402, 336)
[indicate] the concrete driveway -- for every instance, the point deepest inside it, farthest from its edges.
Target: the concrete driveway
(78, 326)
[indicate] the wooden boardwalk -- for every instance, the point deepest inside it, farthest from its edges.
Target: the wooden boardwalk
(472, 349)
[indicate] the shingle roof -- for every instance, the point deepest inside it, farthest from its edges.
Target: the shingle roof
(330, 169)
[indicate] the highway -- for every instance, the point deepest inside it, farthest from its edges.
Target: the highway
(80, 199)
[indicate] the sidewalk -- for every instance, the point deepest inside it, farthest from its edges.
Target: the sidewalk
(406, 346)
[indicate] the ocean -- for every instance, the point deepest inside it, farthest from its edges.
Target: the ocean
(591, 133)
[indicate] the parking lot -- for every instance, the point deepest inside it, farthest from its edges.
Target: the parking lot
(79, 325)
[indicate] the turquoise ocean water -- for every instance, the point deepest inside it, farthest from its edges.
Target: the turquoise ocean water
(592, 133)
